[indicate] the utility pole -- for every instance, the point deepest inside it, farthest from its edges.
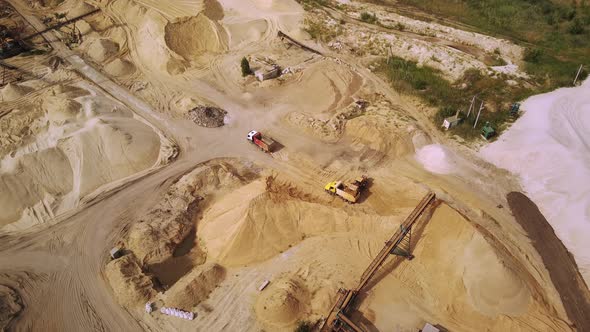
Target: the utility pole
(478, 113)
(471, 106)
(578, 74)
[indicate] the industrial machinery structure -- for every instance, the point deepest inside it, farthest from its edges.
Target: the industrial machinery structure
(265, 143)
(487, 131)
(399, 244)
(348, 192)
(11, 44)
(514, 109)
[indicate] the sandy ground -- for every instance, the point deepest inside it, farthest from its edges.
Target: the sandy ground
(204, 217)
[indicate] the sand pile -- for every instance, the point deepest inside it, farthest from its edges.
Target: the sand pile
(335, 82)
(10, 306)
(12, 91)
(131, 286)
(148, 28)
(154, 238)
(120, 67)
(207, 116)
(283, 303)
(102, 49)
(195, 36)
(457, 280)
(68, 91)
(549, 149)
(60, 109)
(264, 218)
(213, 10)
(194, 287)
(374, 133)
(67, 144)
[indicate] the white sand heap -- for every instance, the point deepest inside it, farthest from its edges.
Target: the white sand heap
(12, 92)
(549, 148)
(437, 159)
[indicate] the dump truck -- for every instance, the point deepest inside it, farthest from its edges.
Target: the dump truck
(348, 192)
(265, 143)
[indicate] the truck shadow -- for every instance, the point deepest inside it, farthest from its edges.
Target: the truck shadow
(366, 193)
(278, 147)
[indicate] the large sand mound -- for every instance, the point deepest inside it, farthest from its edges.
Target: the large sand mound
(336, 83)
(262, 219)
(148, 28)
(131, 287)
(549, 149)
(457, 280)
(12, 92)
(195, 36)
(285, 302)
(155, 237)
(194, 287)
(62, 149)
(372, 132)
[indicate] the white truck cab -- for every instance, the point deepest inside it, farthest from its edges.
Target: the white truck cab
(252, 134)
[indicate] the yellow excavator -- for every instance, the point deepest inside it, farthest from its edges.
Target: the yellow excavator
(349, 192)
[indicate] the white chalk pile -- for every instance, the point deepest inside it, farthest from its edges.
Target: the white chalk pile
(177, 313)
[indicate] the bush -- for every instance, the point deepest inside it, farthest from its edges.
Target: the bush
(368, 17)
(245, 67)
(532, 55)
(303, 326)
(576, 28)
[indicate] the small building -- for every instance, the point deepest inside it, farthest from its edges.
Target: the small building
(268, 72)
(451, 121)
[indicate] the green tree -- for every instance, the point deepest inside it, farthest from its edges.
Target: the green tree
(245, 67)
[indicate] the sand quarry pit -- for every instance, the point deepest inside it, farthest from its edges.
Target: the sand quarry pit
(94, 154)
(246, 218)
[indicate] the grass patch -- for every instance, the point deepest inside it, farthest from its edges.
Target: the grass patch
(369, 18)
(556, 33)
(428, 84)
(310, 4)
(320, 30)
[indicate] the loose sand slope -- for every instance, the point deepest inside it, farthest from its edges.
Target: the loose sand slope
(73, 141)
(456, 280)
(549, 149)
